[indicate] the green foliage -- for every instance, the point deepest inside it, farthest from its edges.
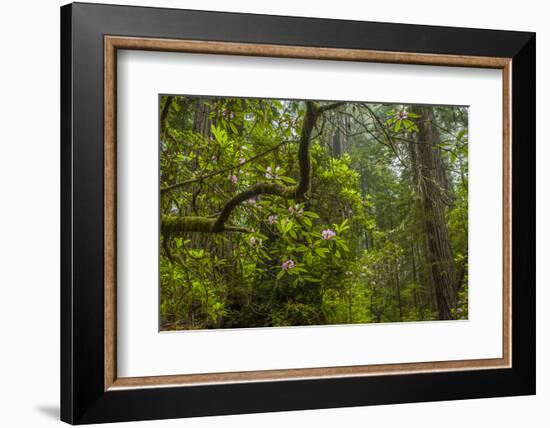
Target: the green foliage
(401, 119)
(351, 251)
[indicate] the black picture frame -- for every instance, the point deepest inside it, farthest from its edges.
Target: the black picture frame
(83, 398)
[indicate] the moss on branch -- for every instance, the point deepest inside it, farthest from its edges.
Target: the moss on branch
(174, 226)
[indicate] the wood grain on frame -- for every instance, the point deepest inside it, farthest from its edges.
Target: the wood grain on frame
(110, 223)
(507, 213)
(112, 43)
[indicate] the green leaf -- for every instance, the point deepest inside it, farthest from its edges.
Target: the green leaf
(219, 135)
(311, 214)
(453, 157)
(288, 180)
(321, 252)
(342, 245)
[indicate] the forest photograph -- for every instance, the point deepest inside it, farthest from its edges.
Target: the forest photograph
(280, 212)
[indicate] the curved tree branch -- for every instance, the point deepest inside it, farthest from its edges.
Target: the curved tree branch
(177, 225)
(174, 226)
(257, 189)
(164, 113)
(332, 106)
(312, 112)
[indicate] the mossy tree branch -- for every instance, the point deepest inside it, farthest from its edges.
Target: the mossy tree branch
(172, 225)
(164, 113)
(264, 188)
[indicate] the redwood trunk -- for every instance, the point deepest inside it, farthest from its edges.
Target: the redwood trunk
(430, 188)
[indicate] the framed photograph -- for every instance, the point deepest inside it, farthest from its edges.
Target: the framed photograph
(265, 213)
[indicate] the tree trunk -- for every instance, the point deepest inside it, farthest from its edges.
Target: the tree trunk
(340, 135)
(398, 286)
(430, 191)
(415, 280)
(202, 122)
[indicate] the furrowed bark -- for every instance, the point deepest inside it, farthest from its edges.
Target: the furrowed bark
(430, 192)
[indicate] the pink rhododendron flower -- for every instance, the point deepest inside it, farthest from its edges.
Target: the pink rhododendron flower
(401, 115)
(242, 160)
(272, 174)
(296, 210)
(328, 234)
(233, 178)
(272, 219)
(287, 265)
(214, 158)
